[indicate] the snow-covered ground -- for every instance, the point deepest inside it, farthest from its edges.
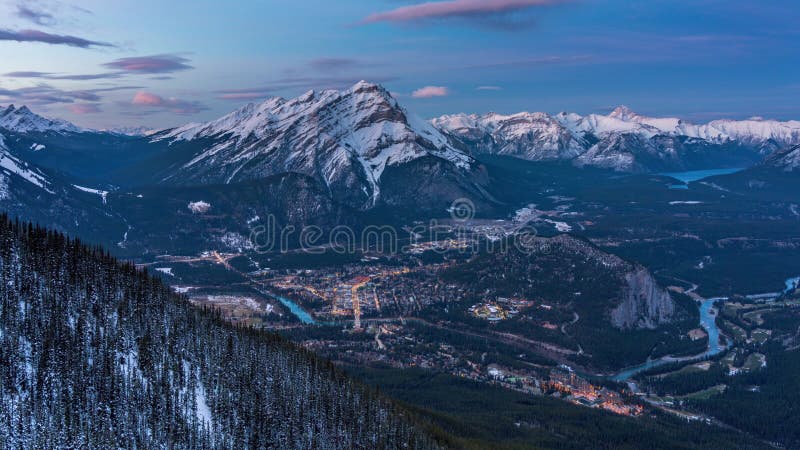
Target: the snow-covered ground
(199, 207)
(165, 270)
(103, 194)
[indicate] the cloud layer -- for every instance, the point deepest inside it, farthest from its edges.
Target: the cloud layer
(44, 94)
(154, 64)
(455, 8)
(49, 38)
(55, 76)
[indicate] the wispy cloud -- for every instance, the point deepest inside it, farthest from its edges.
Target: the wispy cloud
(154, 64)
(49, 38)
(85, 108)
(55, 76)
(45, 94)
(175, 105)
(430, 91)
(35, 15)
(489, 88)
(455, 8)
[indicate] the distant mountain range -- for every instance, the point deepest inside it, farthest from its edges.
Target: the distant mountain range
(623, 140)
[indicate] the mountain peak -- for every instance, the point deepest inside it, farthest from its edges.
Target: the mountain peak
(23, 120)
(622, 112)
(364, 85)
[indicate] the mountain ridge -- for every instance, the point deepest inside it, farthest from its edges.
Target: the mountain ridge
(597, 140)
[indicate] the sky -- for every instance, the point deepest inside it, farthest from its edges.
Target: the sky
(155, 63)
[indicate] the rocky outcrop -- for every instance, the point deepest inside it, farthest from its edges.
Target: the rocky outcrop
(645, 305)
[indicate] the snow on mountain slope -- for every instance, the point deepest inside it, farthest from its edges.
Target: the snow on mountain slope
(131, 131)
(23, 120)
(755, 130)
(346, 139)
(13, 166)
(787, 160)
(533, 136)
(619, 140)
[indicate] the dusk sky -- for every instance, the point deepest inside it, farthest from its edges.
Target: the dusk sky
(102, 63)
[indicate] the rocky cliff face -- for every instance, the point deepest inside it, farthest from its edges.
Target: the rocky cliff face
(644, 303)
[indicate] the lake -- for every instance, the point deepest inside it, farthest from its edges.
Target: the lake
(695, 175)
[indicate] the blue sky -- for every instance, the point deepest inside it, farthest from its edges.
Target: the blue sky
(107, 63)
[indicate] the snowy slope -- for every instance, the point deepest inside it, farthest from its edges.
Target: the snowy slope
(131, 131)
(345, 139)
(787, 160)
(533, 136)
(13, 167)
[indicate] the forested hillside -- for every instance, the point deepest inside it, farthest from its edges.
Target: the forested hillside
(96, 354)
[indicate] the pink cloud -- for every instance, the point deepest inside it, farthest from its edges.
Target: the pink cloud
(430, 91)
(454, 8)
(147, 99)
(84, 108)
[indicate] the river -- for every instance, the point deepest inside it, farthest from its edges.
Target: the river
(708, 315)
(295, 309)
(792, 284)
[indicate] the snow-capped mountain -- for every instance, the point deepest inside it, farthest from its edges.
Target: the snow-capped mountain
(347, 140)
(622, 140)
(23, 120)
(532, 136)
